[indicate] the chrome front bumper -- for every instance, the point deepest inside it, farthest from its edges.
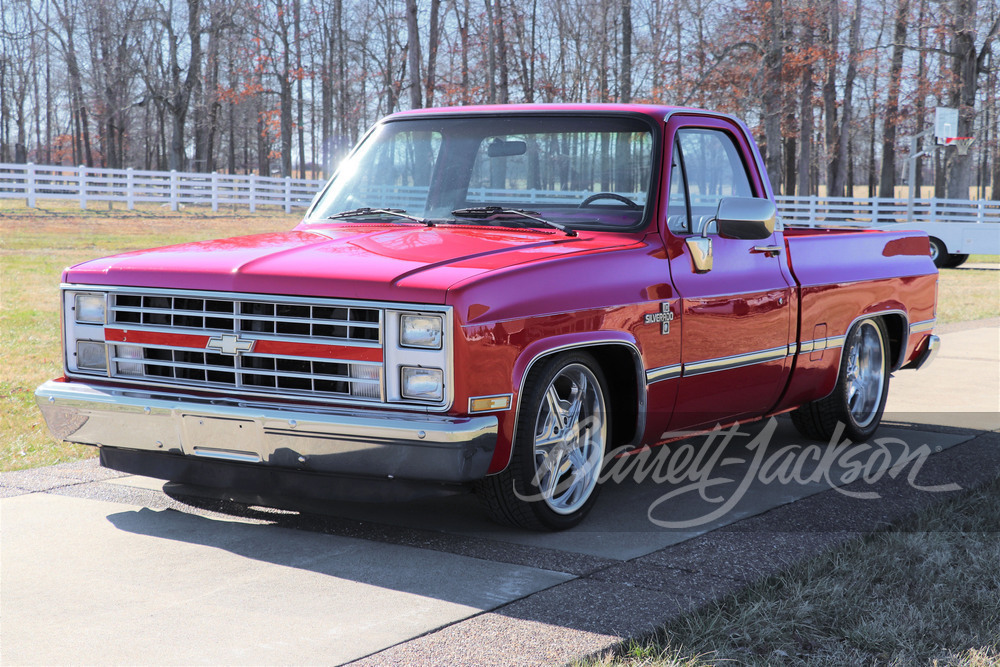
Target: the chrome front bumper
(363, 443)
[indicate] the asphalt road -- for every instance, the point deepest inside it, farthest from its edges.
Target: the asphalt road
(96, 567)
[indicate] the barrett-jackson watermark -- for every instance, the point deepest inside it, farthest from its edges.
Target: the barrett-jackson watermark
(698, 467)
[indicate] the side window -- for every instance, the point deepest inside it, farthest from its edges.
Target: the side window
(713, 169)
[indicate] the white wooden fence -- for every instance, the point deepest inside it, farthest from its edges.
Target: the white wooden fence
(867, 212)
(85, 184)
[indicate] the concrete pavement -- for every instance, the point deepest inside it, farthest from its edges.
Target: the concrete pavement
(101, 568)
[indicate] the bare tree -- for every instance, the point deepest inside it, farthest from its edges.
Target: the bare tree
(773, 97)
(968, 64)
(806, 115)
(887, 179)
(170, 77)
(413, 54)
(840, 180)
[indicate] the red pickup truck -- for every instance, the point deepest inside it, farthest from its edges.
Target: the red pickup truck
(500, 297)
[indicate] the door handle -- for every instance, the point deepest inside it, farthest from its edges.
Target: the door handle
(769, 250)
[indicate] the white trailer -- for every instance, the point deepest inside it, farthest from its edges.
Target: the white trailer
(957, 227)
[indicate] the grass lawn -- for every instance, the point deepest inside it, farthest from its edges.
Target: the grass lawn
(966, 294)
(35, 246)
(926, 592)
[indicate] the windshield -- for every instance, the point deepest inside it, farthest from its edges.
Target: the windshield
(579, 171)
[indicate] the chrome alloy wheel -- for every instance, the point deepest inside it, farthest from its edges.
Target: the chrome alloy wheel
(865, 373)
(570, 433)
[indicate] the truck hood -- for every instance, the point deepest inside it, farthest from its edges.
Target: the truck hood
(354, 261)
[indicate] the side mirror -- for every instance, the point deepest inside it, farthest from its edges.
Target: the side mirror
(746, 218)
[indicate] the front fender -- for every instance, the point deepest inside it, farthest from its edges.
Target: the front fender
(541, 349)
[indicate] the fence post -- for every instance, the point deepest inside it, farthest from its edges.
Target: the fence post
(173, 190)
(981, 211)
(253, 192)
(215, 191)
(874, 210)
(81, 179)
(129, 189)
(288, 194)
(30, 178)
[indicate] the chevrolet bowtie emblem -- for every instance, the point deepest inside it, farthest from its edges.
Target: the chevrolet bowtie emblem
(229, 344)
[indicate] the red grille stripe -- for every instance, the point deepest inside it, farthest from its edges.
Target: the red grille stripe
(156, 338)
(284, 348)
(315, 350)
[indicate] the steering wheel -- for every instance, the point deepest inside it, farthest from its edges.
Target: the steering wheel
(609, 195)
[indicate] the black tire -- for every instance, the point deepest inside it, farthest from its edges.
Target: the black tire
(563, 424)
(955, 260)
(858, 400)
(939, 252)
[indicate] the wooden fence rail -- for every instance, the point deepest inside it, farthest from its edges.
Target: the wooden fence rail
(32, 182)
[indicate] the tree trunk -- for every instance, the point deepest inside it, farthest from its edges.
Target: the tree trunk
(843, 182)
(502, 56)
(994, 88)
(180, 99)
(806, 119)
(413, 54)
(887, 180)
(790, 165)
(625, 94)
(773, 66)
(285, 90)
(491, 53)
(263, 145)
(433, 40)
(76, 85)
(832, 50)
(921, 101)
(871, 152)
(463, 34)
(300, 75)
(966, 66)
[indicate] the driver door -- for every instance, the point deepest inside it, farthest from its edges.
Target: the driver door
(737, 318)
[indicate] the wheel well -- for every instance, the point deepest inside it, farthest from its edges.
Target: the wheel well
(895, 327)
(619, 367)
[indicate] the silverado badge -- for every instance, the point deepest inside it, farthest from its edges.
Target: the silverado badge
(664, 317)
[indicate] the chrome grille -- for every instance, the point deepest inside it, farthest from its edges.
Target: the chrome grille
(347, 323)
(263, 322)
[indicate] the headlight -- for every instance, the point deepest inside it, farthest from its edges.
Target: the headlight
(91, 356)
(90, 308)
(420, 331)
(422, 384)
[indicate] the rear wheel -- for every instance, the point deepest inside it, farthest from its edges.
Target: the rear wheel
(939, 252)
(858, 400)
(559, 444)
(955, 260)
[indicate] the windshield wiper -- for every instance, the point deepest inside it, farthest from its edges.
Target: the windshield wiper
(495, 212)
(367, 212)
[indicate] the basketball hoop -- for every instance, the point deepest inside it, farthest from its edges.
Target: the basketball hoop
(961, 143)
